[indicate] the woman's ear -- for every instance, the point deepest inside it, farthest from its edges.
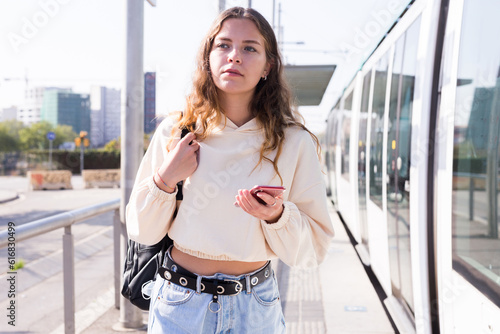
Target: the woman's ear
(267, 69)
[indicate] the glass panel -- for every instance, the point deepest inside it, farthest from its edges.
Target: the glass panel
(377, 130)
(476, 246)
(363, 118)
(391, 167)
(403, 160)
(398, 169)
(345, 138)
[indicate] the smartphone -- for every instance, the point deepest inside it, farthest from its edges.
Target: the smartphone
(274, 191)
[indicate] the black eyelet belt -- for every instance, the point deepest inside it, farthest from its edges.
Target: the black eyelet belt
(214, 287)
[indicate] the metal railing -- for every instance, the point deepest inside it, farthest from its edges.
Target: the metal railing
(66, 220)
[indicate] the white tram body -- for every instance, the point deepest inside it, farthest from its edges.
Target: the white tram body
(412, 153)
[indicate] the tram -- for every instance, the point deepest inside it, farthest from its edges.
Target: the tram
(412, 158)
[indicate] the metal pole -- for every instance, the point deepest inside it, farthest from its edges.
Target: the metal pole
(117, 233)
(222, 5)
(69, 281)
(81, 156)
(492, 169)
(280, 31)
(274, 12)
(132, 132)
(50, 154)
(471, 197)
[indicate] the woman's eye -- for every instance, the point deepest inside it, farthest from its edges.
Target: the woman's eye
(250, 48)
(222, 45)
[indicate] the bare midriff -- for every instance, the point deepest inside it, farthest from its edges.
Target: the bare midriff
(207, 267)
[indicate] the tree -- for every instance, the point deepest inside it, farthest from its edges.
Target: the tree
(115, 144)
(9, 135)
(7, 142)
(64, 133)
(112, 145)
(35, 137)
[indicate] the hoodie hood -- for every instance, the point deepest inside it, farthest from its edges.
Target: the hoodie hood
(227, 125)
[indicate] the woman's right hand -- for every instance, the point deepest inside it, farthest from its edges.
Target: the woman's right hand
(180, 163)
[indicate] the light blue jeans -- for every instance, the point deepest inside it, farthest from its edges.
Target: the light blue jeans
(176, 309)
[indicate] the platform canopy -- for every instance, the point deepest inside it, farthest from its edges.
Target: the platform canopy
(309, 82)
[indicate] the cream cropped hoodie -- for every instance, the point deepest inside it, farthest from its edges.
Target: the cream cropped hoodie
(208, 225)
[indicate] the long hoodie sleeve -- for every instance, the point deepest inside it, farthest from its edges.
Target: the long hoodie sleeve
(150, 210)
(300, 238)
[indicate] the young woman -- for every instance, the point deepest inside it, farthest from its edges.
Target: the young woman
(243, 132)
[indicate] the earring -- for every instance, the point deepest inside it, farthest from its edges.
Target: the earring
(265, 78)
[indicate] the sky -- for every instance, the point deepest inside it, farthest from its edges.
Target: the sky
(80, 43)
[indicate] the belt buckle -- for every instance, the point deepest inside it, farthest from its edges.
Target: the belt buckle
(238, 285)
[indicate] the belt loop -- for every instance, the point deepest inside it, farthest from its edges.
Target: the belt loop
(198, 285)
(247, 281)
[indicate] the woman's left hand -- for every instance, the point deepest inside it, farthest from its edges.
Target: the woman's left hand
(270, 212)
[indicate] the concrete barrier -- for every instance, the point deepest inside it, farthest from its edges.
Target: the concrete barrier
(49, 179)
(101, 178)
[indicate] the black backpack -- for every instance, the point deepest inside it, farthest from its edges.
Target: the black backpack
(143, 261)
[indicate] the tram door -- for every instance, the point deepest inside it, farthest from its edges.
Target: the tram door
(375, 175)
(398, 165)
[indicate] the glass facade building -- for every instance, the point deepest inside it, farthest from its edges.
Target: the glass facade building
(66, 108)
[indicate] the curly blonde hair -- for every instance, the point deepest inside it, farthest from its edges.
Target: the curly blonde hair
(272, 105)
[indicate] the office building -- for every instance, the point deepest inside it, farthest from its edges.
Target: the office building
(66, 108)
(7, 114)
(104, 115)
(30, 111)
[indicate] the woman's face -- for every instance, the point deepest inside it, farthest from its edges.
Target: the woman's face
(238, 57)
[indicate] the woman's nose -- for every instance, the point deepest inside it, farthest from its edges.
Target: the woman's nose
(234, 57)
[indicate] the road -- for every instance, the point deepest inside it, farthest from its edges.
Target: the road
(33, 205)
(41, 278)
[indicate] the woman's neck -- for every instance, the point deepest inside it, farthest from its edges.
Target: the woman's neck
(237, 108)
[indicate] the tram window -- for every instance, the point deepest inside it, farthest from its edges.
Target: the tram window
(398, 154)
(377, 130)
(476, 154)
(346, 136)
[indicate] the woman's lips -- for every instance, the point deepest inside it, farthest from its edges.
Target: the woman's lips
(233, 72)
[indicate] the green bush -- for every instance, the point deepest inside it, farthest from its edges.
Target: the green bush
(70, 160)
